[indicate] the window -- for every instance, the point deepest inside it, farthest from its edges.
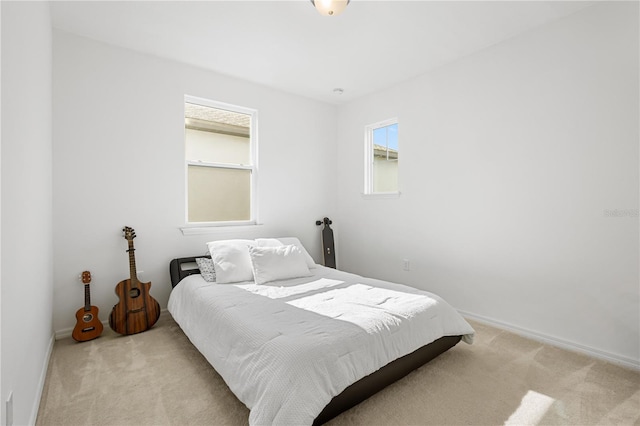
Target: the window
(220, 153)
(381, 158)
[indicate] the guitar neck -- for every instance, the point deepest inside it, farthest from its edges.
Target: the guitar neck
(87, 298)
(132, 265)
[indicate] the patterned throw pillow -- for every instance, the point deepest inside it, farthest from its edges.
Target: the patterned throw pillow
(206, 269)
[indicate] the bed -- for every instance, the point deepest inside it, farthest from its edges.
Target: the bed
(303, 349)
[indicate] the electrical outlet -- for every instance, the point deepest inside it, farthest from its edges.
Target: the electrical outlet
(406, 266)
(9, 409)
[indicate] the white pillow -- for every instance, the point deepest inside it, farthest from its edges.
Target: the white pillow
(277, 242)
(231, 260)
(277, 263)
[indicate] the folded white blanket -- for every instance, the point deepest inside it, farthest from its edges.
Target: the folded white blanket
(286, 348)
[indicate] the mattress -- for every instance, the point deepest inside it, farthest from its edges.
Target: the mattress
(286, 348)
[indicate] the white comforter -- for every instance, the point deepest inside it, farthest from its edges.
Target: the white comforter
(286, 348)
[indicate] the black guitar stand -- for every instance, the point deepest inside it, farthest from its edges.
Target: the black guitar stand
(328, 249)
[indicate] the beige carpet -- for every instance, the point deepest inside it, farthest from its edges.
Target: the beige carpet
(159, 378)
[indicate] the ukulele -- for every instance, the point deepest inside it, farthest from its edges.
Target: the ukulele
(88, 325)
(137, 311)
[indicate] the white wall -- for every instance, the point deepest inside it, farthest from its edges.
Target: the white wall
(510, 159)
(27, 251)
(119, 160)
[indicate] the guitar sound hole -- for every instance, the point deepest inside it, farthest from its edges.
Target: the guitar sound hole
(134, 292)
(87, 317)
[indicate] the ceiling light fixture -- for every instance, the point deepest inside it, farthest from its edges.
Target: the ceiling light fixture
(330, 7)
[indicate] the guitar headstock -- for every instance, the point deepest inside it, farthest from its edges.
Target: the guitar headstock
(129, 233)
(86, 277)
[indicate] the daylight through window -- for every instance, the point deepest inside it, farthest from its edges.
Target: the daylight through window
(381, 162)
(220, 160)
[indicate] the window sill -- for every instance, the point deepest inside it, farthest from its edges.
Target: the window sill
(381, 195)
(218, 228)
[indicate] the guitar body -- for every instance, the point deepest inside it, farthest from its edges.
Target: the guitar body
(88, 325)
(137, 311)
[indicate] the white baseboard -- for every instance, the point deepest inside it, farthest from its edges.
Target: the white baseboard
(554, 341)
(43, 377)
(65, 332)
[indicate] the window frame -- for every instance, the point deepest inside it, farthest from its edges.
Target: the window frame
(196, 227)
(369, 160)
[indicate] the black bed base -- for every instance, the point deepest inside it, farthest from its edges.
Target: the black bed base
(390, 373)
(363, 388)
(183, 267)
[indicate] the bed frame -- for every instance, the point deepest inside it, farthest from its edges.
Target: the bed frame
(363, 388)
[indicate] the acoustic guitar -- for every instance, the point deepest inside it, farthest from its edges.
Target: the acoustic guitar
(88, 325)
(137, 311)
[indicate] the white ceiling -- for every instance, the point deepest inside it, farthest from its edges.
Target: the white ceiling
(289, 46)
